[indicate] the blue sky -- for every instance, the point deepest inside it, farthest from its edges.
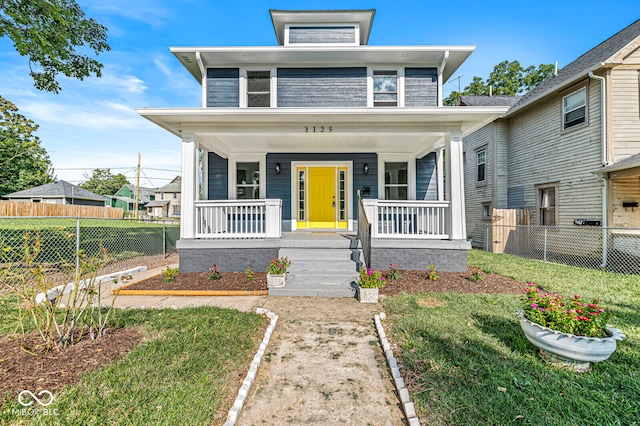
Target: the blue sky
(92, 123)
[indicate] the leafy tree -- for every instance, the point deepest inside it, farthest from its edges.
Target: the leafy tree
(507, 78)
(55, 35)
(23, 162)
(103, 182)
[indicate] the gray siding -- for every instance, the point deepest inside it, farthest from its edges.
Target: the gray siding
(279, 185)
(223, 87)
(334, 34)
(426, 179)
(420, 87)
(218, 177)
(322, 87)
(515, 198)
(625, 120)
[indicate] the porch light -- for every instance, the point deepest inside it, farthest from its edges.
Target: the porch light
(277, 168)
(366, 168)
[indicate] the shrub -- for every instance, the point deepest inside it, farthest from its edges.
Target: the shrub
(369, 278)
(170, 274)
(278, 265)
(393, 274)
(214, 273)
(250, 273)
(432, 274)
(476, 274)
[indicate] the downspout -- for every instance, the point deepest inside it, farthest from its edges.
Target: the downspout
(605, 209)
(440, 71)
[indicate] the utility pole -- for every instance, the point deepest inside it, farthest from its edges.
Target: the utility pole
(135, 215)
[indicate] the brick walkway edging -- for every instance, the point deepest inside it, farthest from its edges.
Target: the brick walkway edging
(407, 406)
(234, 412)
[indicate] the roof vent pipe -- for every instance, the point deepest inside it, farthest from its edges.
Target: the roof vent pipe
(490, 90)
(555, 73)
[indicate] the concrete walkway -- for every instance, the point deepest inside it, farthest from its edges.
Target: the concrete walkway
(323, 365)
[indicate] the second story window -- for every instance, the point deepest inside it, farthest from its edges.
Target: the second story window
(385, 88)
(481, 166)
(574, 108)
(258, 88)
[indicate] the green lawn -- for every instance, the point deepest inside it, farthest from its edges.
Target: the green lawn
(180, 376)
(468, 362)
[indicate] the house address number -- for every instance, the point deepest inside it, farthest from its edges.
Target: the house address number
(318, 129)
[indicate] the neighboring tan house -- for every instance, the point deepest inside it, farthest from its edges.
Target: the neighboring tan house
(59, 192)
(557, 155)
(288, 135)
(125, 198)
(167, 200)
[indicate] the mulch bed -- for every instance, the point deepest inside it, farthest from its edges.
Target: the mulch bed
(412, 282)
(50, 371)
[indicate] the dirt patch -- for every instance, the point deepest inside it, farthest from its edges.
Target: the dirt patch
(411, 282)
(51, 371)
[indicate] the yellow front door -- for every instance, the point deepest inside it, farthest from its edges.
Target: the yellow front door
(322, 197)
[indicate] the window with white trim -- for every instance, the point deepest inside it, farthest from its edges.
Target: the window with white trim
(396, 183)
(481, 165)
(574, 108)
(259, 89)
(385, 88)
(486, 211)
(547, 206)
(247, 181)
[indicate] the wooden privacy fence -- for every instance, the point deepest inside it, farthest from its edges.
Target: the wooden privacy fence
(506, 221)
(24, 208)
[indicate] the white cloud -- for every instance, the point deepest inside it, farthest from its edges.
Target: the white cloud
(149, 12)
(162, 67)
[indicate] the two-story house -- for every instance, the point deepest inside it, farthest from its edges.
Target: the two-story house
(125, 198)
(568, 151)
(322, 133)
(167, 200)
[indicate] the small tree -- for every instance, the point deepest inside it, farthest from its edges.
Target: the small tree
(23, 162)
(103, 182)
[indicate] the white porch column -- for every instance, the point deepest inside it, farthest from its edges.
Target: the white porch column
(455, 186)
(440, 174)
(189, 186)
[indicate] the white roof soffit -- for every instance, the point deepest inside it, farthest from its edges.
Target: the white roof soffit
(364, 18)
(357, 56)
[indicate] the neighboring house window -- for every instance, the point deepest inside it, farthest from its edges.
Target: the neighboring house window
(396, 184)
(486, 211)
(175, 195)
(162, 195)
(547, 203)
(385, 88)
(247, 181)
(574, 108)
(258, 88)
(481, 165)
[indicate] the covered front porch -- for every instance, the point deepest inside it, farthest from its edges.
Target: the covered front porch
(251, 177)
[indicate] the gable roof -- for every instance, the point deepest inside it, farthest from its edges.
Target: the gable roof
(174, 186)
(485, 100)
(59, 189)
(603, 55)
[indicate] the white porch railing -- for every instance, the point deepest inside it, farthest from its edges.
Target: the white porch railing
(239, 219)
(408, 219)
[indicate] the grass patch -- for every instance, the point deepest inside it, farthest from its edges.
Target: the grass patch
(192, 362)
(468, 362)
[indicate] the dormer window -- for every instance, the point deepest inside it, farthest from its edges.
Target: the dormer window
(322, 34)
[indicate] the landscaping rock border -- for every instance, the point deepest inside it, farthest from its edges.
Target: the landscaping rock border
(407, 406)
(235, 410)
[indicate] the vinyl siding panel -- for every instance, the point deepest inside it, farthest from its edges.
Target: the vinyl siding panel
(625, 113)
(322, 87)
(540, 153)
(420, 87)
(322, 34)
(478, 194)
(426, 179)
(627, 189)
(279, 185)
(223, 87)
(218, 177)
(633, 58)
(500, 158)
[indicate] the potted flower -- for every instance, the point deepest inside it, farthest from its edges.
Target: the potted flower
(276, 271)
(568, 330)
(369, 281)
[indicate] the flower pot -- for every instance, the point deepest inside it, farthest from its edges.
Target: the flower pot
(367, 295)
(275, 280)
(575, 352)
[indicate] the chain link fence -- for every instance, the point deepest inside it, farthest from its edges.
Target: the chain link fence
(61, 242)
(611, 249)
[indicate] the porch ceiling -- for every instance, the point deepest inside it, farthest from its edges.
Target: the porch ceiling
(227, 131)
